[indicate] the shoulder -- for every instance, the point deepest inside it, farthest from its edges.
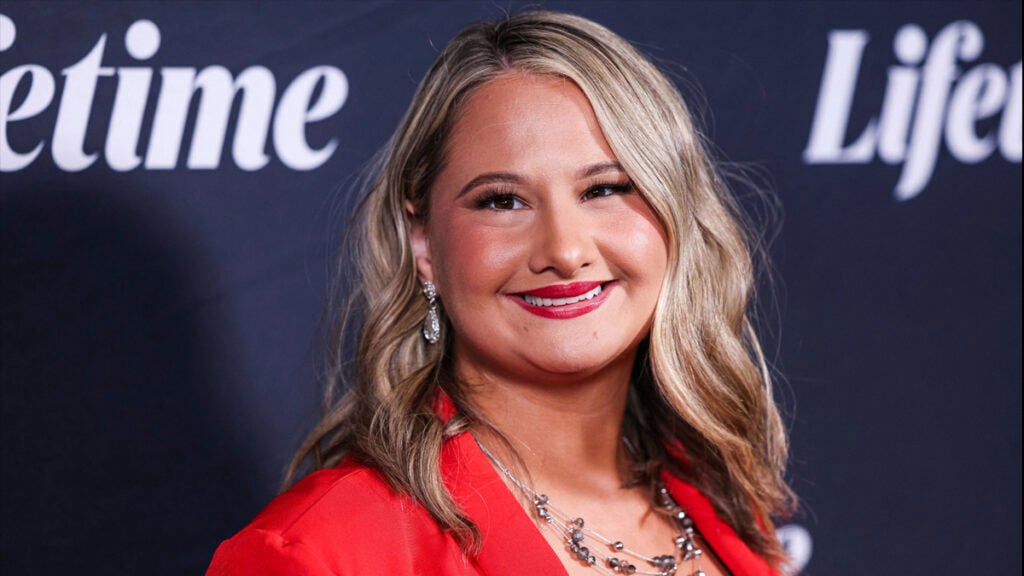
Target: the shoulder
(336, 521)
(351, 492)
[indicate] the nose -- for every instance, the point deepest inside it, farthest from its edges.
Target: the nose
(563, 242)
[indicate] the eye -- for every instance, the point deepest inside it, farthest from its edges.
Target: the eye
(500, 201)
(608, 189)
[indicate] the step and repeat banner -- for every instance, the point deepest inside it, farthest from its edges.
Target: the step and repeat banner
(175, 178)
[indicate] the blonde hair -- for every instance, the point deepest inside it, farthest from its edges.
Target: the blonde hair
(702, 384)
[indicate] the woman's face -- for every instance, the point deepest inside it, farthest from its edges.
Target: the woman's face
(547, 261)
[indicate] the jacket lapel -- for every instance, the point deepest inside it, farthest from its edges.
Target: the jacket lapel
(511, 542)
(728, 546)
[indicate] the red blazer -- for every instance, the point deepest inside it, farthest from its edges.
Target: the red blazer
(348, 521)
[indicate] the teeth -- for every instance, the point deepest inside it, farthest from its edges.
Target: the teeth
(535, 301)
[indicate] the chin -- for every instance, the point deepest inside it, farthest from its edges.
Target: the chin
(561, 364)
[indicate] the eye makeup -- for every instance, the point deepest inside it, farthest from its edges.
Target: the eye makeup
(504, 198)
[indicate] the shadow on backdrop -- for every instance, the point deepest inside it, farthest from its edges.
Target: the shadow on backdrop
(113, 458)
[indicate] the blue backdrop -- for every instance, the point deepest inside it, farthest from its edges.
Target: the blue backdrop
(174, 179)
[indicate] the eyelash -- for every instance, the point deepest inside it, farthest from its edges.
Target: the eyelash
(615, 188)
(490, 198)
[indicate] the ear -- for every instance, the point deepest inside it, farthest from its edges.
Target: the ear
(420, 243)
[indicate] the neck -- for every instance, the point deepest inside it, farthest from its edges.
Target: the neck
(566, 435)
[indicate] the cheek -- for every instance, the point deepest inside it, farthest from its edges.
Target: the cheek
(646, 242)
(641, 242)
(473, 258)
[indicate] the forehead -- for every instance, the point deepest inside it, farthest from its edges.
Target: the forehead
(517, 118)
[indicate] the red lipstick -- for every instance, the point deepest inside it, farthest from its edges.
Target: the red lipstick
(563, 291)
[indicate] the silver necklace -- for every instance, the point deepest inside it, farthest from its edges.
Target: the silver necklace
(575, 532)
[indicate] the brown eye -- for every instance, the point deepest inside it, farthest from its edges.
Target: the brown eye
(602, 190)
(500, 202)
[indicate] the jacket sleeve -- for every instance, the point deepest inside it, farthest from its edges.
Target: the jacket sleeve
(255, 552)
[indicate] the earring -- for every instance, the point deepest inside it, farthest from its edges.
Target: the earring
(432, 325)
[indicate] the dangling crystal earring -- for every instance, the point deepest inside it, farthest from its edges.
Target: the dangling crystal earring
(432, 325)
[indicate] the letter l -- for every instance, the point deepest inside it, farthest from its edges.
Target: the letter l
(835, 98)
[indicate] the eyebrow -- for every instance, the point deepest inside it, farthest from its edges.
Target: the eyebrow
(513, 178)
(490, 178)
(600, 167)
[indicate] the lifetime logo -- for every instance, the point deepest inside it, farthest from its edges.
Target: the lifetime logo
(980, 93)
(301, 103)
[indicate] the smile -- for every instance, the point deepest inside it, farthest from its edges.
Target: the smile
(564, 301)
(537, 301)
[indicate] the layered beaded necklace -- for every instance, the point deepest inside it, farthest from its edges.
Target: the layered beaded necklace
(575, 532)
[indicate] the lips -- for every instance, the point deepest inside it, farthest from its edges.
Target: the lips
(558, 293)
(533, 300)
(563, 290)
(563, 301)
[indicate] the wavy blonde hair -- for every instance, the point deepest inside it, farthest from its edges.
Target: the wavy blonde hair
(702, 382)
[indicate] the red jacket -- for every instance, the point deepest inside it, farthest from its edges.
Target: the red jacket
(348, 521)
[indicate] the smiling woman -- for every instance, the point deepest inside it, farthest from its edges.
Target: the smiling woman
(552, 326)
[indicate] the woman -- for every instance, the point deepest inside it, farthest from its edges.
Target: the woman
(555, 372)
